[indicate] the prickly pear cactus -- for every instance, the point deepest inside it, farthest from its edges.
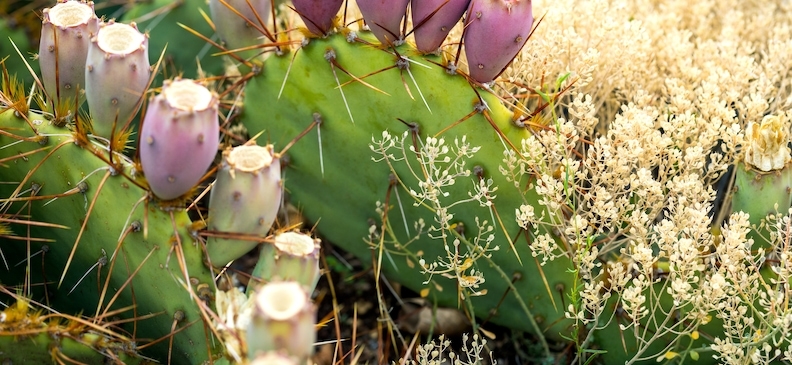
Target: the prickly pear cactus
(429, 130)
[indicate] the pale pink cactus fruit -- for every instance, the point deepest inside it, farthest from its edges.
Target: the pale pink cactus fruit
(179, 138)
(66, 32)
(318, 14)
(116, 74)
(433, 20)
(384, 18)
(495, 31)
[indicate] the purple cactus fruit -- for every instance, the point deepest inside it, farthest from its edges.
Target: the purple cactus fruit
(245, 200)
(496, 31)
(116, 75)
(433, 19)
(384, 17)
(238, 32)
(318, 14)
(179, 137)
(66, 33)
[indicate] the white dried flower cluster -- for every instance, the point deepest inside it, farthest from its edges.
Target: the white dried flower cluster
(438, 352)
(436, 167)
(663, 93)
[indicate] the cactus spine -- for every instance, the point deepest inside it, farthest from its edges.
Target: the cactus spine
(240, 23)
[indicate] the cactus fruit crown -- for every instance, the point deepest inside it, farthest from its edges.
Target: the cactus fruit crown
(295, 243)
(281, 300)
(249, 158)
(187, 95)
(69, 14)
(767, 147)
(119, 38)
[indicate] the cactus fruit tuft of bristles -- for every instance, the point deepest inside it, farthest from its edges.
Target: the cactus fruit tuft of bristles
(433, 20)
(384, 18)
(117, 72)
(239, 23)
(766, 172)
(283, 320)
(180, 136)
(495, 31)
(245, 200)
(318, 15)
(66, 33)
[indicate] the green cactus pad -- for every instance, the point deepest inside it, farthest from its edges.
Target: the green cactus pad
(341, 189)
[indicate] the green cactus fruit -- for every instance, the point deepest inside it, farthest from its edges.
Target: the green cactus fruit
(292, 256)
(180, 136)
(384, 18)
(245, 200)
(433, 20)
(495, 31)
(116, 75)
(283, 320)
(763, 179)
(520, 293)
(114, 255)
(239, 23)
(66, 32)
(318, 15)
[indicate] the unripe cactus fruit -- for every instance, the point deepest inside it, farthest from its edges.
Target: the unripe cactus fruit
(318, 14)
(495, 31)
(384, 17)
(293, 256)
(116, 75)
(235, 31)
(179, 137)
(283, 319)
(433, 19)
(245, 200)
(66, 33)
